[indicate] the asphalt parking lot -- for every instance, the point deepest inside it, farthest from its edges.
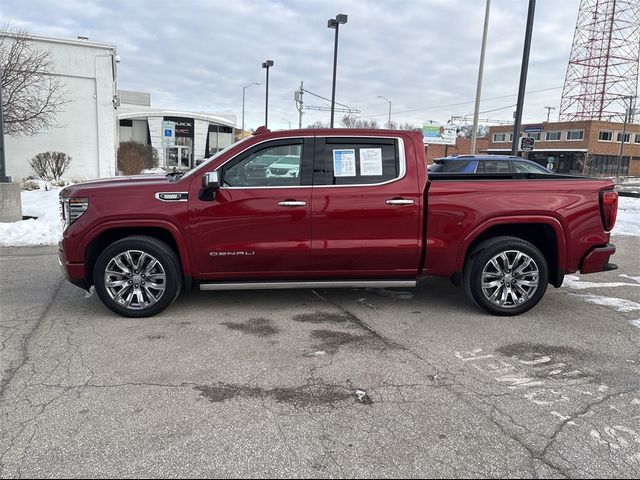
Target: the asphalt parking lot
(336, 383)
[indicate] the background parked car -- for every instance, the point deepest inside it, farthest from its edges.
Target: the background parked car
(287, 166)
(484, 164)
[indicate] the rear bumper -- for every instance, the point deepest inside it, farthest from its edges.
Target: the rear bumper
(73, 271)
(597, 260)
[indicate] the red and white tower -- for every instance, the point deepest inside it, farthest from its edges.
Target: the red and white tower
(602, 75)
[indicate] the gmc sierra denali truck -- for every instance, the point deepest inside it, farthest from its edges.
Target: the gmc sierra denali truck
(332, 208)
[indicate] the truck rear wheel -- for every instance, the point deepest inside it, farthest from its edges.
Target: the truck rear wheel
(137, 276)
(506, 276)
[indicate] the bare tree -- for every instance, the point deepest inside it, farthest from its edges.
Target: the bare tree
(466, 130)
(349, 121)
(31, 95)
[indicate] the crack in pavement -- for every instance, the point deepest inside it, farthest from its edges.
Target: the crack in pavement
(11, 372)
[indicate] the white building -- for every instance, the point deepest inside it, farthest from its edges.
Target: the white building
(87, 123)
(96, 118)
(196, 135)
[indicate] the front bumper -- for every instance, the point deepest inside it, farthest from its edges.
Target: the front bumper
(597, 260)
(73, 271)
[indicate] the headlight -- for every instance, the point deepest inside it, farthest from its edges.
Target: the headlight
(72, 209)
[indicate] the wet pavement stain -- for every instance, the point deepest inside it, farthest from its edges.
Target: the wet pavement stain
(322, 317)
(305, 396)
(331, 340)
(261, 327)
(548, 361)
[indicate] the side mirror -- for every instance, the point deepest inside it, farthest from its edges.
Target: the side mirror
(210, 185)
(211, 181)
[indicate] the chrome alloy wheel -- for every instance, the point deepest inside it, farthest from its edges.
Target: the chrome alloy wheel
(135, 279)
(510, 278)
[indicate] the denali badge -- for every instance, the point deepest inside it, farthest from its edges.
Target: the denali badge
(230, 254)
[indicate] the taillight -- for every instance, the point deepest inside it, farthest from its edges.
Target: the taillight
(608, 208)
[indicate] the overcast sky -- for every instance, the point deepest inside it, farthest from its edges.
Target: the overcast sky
(422, 55)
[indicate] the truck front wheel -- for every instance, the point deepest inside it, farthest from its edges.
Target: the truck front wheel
(506, 276)
(137, 276)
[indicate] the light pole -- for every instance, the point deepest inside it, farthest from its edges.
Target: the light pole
(268, 64)
(335, 24)
(243, 90)
(523, 76)
(388, 121)
(288, 121)
(3, 169)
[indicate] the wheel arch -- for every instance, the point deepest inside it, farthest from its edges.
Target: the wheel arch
(546, 233)
(109, 234)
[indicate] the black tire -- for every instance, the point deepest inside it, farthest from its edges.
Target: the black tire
(514, 289)
(152, 295)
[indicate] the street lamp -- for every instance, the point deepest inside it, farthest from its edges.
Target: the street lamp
(389, 121)
(268, 64)
(288, 121)
(243, 90)
(335, 24)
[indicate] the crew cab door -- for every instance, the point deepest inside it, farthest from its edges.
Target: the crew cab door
(366, 208)
(259, 223)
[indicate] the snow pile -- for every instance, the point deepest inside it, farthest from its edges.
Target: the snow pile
(628, 222)
(45, 230)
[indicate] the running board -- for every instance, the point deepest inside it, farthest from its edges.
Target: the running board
(307, 284)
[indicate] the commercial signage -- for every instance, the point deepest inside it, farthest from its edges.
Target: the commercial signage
(434, 134)
(527, 143)
(183, 126)
(168, 134)
(534, 128)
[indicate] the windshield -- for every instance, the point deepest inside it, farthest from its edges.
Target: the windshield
(208, 160)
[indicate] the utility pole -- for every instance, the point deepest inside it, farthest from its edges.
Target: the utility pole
(549, 110)
(523, 76)
(627, 118)
(297, 96)
(476, 111)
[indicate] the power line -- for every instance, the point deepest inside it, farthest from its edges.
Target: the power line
(461, 103)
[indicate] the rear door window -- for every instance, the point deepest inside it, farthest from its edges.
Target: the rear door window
(358, 161)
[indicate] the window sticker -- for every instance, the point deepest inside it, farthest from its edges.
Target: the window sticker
(370, 161)
(344, 163)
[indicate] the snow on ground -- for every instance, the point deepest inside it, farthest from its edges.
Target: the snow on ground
(620, 304)
(574, 282)
(635, 323)
(628, 221)
(46, 230)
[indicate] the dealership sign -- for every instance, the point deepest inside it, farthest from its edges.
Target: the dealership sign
(168, 134)
(434, 134)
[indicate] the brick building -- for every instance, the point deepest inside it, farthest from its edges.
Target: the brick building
(588, 147)
(462, 147)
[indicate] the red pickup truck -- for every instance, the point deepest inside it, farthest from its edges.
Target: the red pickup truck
(332, 208)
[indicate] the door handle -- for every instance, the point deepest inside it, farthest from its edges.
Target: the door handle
(399, 201)
(292, 203)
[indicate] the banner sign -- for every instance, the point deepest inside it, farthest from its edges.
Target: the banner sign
(434, 134)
